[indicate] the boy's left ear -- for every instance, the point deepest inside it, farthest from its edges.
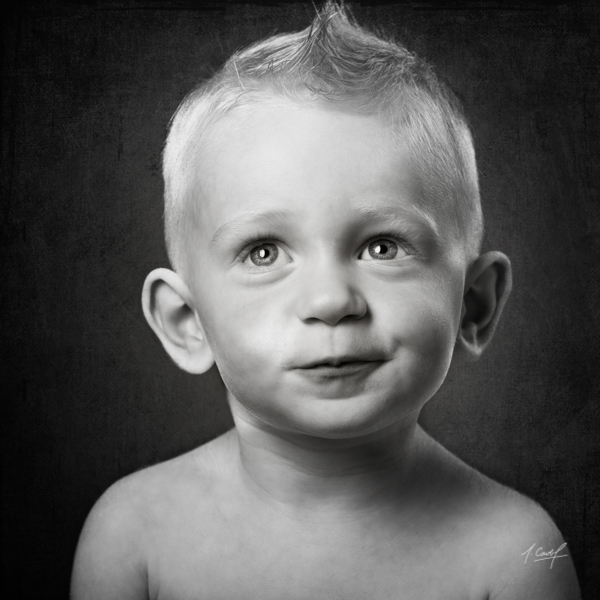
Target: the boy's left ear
(487, 287)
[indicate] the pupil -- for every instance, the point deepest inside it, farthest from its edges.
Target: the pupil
(264, 255)
(383, 250)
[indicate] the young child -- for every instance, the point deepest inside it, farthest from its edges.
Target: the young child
(324, 224)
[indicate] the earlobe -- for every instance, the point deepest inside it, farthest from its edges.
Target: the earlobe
(487, 287)
(168, 308)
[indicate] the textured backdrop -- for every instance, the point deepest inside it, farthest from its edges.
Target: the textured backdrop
(88, 393)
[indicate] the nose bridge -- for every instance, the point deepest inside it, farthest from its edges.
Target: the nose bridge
(327, 291)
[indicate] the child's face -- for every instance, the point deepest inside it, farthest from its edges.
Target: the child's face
(330, 298)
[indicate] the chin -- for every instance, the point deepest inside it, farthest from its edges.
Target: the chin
(338, 420)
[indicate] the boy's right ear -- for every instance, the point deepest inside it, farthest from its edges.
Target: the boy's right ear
(169, 310)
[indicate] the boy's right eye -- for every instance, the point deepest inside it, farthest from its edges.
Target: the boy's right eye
(266, 254)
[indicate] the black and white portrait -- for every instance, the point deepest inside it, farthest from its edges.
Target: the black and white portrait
(300, 300)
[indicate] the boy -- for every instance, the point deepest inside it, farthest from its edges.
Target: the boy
(324, 224)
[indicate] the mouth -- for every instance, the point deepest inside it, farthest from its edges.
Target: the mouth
(340, 366)
(340, 360)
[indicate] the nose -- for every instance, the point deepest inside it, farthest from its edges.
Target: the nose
(327, 294)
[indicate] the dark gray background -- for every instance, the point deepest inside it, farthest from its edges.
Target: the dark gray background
(88, 393)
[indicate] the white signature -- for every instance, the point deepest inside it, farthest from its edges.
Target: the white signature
(540, 554)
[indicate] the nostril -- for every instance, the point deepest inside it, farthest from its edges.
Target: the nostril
(328, 293)
(332, 308)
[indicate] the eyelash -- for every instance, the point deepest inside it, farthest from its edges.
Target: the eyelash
(248, 244)
(394, 237)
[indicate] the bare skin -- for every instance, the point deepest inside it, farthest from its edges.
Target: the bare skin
(333, 301)
(206, 527)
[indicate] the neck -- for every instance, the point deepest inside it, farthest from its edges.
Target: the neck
(307, 472)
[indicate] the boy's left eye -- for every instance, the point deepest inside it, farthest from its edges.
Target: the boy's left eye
(382, 249)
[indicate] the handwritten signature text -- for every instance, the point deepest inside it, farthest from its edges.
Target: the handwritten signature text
(541, 554)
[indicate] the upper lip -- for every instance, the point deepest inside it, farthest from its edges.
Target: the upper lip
(336, 361)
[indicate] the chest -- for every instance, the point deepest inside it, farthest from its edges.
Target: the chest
(286, 561)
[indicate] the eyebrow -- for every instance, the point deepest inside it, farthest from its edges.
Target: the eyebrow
(392, 216)
(400, 216)
(271, 218)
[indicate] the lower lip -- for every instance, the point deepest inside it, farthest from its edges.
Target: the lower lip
(343, 370)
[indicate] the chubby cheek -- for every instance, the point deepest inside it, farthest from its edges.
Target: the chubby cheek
(247, 336)
(425, 319)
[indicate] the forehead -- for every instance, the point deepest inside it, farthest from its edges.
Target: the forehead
(308, 161)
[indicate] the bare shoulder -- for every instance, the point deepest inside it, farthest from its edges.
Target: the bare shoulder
(530, 556)
(515, 548)
(119, 539)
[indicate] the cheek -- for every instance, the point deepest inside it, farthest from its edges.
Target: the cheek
(424, 338)
(426, 321)
(246, 334)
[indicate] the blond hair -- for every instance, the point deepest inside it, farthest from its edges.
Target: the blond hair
(334, 61)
